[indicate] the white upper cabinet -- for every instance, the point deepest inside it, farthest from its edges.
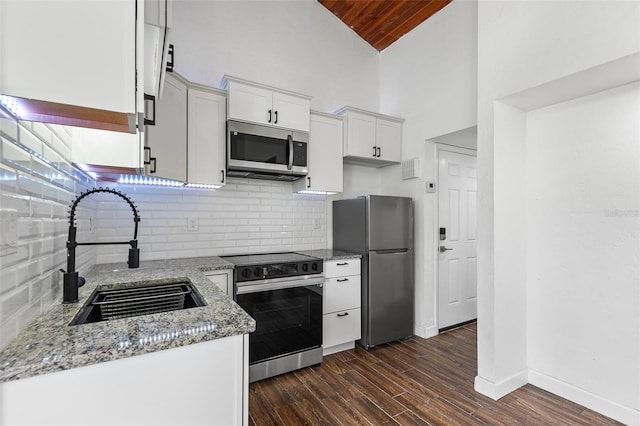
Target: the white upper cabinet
(370, 138)
(361, 135)
(389, 140)
(167, 140)
(104, 151)
(159, 12)
(325, 155)
(206, 142)
(290, 112)
(158, 18)
(256, 103)
(80, 53)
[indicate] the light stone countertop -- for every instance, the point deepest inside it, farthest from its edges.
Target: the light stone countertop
(328, 254)
(49, 344)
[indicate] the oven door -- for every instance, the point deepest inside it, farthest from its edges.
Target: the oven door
(288, 316)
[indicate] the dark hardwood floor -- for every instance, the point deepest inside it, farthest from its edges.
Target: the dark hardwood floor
(415, 382)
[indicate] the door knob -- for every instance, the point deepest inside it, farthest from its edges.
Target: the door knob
(443, 249)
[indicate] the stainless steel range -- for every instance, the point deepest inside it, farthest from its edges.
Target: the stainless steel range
(283, 293)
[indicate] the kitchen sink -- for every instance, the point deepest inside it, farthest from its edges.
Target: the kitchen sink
(144, 299)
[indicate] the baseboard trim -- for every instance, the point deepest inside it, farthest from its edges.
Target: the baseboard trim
(498, 390)
(425, 332)
(594, 402)
(338, 348)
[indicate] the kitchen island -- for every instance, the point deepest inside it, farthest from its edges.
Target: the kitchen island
(178, 367)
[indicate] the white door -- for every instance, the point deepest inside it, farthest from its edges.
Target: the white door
(457, 252)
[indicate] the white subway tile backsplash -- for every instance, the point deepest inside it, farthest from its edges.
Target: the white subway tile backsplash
(14, 301)
(245, 216)
(39, 187)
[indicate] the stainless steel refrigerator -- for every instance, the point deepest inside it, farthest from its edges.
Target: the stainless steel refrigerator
(380, 228)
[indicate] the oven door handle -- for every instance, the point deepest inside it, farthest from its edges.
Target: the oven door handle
(277, 285)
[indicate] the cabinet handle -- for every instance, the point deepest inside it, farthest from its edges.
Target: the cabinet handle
(344, 314)
(269, 117)
(308, 182)
(170, 63)
(276, 120)
(222, 172)
(374, 151)
(152, 100)
(147, 154)
(152, 160)
(342, 280)
(379, 151)
(342, 264)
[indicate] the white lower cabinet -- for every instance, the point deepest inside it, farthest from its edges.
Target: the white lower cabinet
(341, 323)
(222, 279)
(202, 383)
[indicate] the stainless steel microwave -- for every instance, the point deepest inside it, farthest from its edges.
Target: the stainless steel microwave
(263, 152)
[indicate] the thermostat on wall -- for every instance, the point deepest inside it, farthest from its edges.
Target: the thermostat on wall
(431, 187)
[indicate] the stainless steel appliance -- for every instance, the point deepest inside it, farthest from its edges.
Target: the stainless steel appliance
(263, 152)
(283, 293)
(380, 228)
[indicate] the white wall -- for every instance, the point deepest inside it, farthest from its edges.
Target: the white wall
(583, 244)
(295, 45)
(514, 55)
(428, 77)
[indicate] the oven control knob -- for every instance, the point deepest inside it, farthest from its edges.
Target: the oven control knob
(257, 272)
(314, 266)
(245, 273)
(305, 267)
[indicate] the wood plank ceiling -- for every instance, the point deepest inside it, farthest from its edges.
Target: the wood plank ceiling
(382, 22)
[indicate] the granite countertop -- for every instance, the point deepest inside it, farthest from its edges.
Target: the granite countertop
(328, 254)
(49, 344)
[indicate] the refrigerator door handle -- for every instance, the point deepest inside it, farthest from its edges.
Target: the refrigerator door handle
(390, 251)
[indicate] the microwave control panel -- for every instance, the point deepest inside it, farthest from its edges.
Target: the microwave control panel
(300, 154)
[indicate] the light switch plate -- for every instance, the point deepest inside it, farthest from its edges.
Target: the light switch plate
(192, 224)
(430, 187)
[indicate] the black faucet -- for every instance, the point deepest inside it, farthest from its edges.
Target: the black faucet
(71, 280)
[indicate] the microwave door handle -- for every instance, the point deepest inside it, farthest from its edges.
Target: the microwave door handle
(290, 165)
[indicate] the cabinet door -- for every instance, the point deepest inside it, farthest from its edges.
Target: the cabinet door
(168, 138)
(361, 135)
(249, 103)
(389, 139)
(159, 12)
(70, 52)
(325, 156)
(107, 148)
(290, 112)
(206, 137)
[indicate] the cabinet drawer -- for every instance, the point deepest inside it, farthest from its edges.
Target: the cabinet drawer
(341, 327)
(341, 268)
(341, 293)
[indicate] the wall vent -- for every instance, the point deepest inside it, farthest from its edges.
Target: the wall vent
(411, 168)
